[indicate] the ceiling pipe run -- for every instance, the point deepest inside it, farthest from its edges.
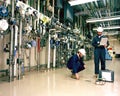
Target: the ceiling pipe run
(108, 28)
(103, 19)
(78, 2)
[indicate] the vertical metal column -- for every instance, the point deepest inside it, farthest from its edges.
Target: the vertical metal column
(38, 39)
(29, 59)
(68, 45)
(54, 57)
(49, 37)
(38, 53)
(11, 56)
(48, 64)
(54, 50)
(34, 24)
(11, 63)
(15, 49)
(31, 23)
(19, 51)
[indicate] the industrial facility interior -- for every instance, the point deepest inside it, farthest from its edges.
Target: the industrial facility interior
(37, 38)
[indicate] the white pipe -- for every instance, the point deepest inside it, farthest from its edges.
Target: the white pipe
(15, 44)
(54, 57)
(103, 19)
(54, 50)
(19, 51)
(48, 64)
(78, 2)
(13, 8)
(16, 35)
(109, 27)
(68, 46)
(53, 8)
(11, 67)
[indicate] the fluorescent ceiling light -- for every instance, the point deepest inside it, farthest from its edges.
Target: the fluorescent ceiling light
(77, 2)
(103, 19)
(108, 28)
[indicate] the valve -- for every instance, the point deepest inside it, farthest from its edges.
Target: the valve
(3, 11)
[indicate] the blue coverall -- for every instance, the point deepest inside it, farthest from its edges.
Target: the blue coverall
(75, 64)
(99, 53)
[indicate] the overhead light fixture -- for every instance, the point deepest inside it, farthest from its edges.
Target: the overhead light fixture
(77, 2)
(108, 28)
(103, 19)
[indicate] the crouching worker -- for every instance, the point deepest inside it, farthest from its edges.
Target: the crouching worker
(76, 64)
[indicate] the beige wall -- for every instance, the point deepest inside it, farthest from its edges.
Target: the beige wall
(30, 55)
(3, 55)
(33, 57)
(115, 44)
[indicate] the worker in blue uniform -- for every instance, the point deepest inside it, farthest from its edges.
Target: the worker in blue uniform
(76, 64)
(99, 50)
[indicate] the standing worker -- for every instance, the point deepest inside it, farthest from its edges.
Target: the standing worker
(76, 64)
(99, 51)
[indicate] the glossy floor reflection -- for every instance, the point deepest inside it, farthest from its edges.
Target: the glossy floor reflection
(59, 83)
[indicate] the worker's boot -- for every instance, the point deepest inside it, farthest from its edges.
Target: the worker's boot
(75, 76)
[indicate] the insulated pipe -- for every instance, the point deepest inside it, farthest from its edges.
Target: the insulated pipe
(48, 65)
(34, 24)
(49, 37)
(48, 2)
(29, 59)
(13, 8)
(58, 14)
(11, 55)
(38, 40)
(54, 57)
(30, 50)
(68, 46)
(15, 49)
(11, 65)
(38, 53)
(49, 7)
(19, 51)
(53, 8)
(54, 50)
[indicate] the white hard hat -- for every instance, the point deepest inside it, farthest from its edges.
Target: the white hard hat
(99, 29)
(82, 51)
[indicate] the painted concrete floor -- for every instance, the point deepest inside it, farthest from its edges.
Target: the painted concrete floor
(59, 83)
